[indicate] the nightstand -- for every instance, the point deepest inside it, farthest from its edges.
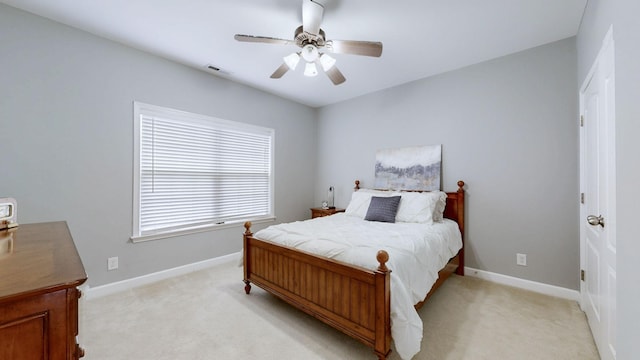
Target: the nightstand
(318, 212)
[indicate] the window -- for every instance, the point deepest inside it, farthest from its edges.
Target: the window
(194, 172)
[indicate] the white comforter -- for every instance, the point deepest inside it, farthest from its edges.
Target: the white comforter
(416, 253)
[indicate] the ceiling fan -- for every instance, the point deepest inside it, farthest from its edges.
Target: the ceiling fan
(311, 39)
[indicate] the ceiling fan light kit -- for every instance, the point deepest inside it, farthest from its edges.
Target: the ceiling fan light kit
(311, 39)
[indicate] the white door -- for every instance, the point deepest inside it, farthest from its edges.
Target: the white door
(597, 212)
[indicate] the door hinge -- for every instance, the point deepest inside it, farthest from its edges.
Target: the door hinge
(582, 275)
(581, 198)
(581, 121)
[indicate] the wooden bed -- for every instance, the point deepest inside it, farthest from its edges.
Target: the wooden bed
(349, 298)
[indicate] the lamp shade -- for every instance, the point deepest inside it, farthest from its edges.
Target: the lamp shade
(292, 60)
(327, 62)
(310, 69)
(309, 53)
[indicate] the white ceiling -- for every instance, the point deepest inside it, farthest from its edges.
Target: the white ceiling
(420, 37)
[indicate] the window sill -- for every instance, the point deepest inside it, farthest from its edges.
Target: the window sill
(195, 230)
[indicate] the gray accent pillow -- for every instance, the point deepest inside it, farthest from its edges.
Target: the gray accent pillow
(383, 209)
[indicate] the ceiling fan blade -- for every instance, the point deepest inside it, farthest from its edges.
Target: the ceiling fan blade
(280, 71)
(366, 48)
(333, 73)
(263, 39)
(311, 16)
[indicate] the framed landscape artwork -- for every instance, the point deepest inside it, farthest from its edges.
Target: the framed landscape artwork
(409, 168)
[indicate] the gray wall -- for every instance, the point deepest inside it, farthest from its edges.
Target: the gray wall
(508, 128)
(66, 139)
(623, 14)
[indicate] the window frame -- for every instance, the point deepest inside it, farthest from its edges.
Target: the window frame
(141, 109)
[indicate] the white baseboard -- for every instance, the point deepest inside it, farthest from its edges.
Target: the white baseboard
(546, 289)
(112, 288)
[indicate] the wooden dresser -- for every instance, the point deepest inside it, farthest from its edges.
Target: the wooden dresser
(40, 271)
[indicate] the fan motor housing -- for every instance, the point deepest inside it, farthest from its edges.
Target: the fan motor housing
(303, 38)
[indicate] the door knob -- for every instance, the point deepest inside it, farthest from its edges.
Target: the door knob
(595, 220)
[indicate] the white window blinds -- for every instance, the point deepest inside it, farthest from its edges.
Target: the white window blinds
(196, 171)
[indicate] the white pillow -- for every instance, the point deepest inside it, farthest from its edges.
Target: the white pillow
(438, 212)
(424, 207)
(416, 207)
(361, 199)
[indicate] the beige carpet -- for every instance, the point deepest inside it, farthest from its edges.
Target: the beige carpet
(206, 315)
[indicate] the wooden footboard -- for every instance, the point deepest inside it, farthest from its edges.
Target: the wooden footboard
(351, 299)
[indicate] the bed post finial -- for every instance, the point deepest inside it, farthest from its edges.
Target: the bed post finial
(247, 227)
(357, 187)
(460, 186)
(382, 258)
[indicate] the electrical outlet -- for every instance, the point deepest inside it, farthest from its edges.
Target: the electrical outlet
(521, 259)
(112, 263)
